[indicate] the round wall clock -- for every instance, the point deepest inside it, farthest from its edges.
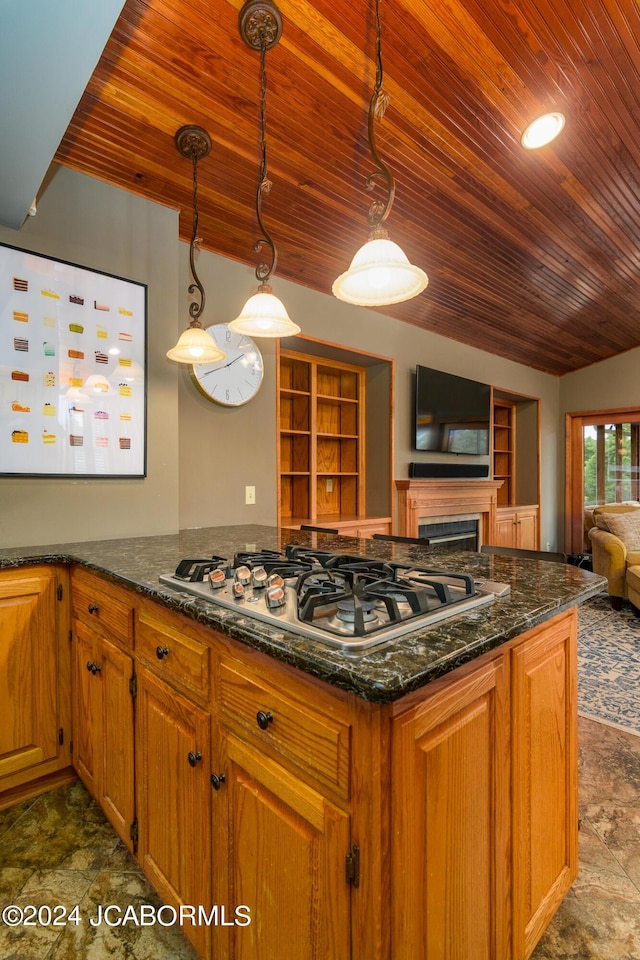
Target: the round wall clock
(236, 379)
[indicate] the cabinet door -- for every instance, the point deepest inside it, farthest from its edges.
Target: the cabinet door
(103, 726)
(527, 529)
(545, 802)
(87, 709)
(116, 790)
(29, 654)
(279, 849)
(450, 859)
(173, 797)
(505, 529)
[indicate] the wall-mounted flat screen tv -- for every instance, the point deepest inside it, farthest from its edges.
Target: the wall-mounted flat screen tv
(452, 414)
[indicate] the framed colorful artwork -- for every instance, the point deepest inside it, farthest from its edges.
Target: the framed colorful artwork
(73, 351)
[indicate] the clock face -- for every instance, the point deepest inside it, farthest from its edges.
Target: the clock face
(236, 379)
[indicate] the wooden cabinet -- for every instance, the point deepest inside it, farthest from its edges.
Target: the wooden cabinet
(484, 806)
(279, 847)
(103, 688)
(310, 743)
(103, 726)
(545, 787)
(450, 816)
(281, 818)
(322, 457)
(35, 729)
(517, 527)
(173, 763)
(257, 787)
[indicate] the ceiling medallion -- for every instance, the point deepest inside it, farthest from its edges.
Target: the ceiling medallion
(260, 23)
(193, 142)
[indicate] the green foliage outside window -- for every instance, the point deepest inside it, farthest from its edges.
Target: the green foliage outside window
(617, 472)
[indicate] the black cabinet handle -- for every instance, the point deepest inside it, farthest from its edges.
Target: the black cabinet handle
(162, 652)
(93, 608)
(217, 781)
(264, 719)
(93, 668)
(193, 758)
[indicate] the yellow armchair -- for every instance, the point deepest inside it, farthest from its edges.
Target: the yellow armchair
(615, 542)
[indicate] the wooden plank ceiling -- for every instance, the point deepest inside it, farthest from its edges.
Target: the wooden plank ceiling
(533, 256)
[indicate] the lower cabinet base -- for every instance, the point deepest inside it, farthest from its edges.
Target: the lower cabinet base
(34, 788)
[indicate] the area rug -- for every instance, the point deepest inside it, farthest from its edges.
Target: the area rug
(609, 664)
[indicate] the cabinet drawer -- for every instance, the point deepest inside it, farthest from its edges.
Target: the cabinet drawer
(102, 606)
(312, 743)
(173, 653)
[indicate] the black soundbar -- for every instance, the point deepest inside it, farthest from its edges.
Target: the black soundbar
(448, 471)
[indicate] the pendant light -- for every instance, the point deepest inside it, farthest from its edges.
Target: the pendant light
(380, 272)
(195, 345)
(263, 315)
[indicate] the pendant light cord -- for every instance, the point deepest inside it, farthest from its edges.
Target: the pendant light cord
(263, 269)
(378, 211)
(195, 308)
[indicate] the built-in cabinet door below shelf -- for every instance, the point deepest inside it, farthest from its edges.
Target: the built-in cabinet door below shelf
(518, 527)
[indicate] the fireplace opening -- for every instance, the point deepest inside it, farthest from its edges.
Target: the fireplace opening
(460, 533)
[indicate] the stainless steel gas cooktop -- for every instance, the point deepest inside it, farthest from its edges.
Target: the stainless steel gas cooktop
(343, 600)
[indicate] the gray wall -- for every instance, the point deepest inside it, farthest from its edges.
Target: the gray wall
(201, 456)
(609, 385)
(94, 225)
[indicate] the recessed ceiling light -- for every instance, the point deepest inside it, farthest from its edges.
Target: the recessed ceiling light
(542, 131)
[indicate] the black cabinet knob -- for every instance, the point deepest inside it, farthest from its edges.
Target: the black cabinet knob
(162, 652)
(93, 668)
(193, 758)
(264, 719)
(93, 608)
(217, 780)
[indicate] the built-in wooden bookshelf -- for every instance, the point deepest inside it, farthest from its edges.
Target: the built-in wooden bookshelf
(321, 437)
(504, 444)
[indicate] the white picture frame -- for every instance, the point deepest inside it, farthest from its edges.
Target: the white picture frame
(73, 361)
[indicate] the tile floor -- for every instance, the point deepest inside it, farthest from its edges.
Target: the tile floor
(59, 849)
(600, 917)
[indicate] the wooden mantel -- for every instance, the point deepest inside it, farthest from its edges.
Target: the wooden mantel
(438, 498)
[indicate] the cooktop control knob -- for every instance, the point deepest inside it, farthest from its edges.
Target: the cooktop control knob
(259, 577)
(275, 597)
(217, 579)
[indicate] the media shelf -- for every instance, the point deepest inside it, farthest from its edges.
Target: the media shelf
(504, 450)
(321, 439)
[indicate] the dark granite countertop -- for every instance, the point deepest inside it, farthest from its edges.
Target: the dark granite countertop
(539, 590)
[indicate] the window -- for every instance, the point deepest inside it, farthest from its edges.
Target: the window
(611, 468)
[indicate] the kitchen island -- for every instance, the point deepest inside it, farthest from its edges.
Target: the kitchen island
(416, 799)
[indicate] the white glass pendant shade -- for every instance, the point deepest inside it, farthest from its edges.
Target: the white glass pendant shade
(195, 345)
(97, 383)
(542, 131)
(264, 315)
(380, 273)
